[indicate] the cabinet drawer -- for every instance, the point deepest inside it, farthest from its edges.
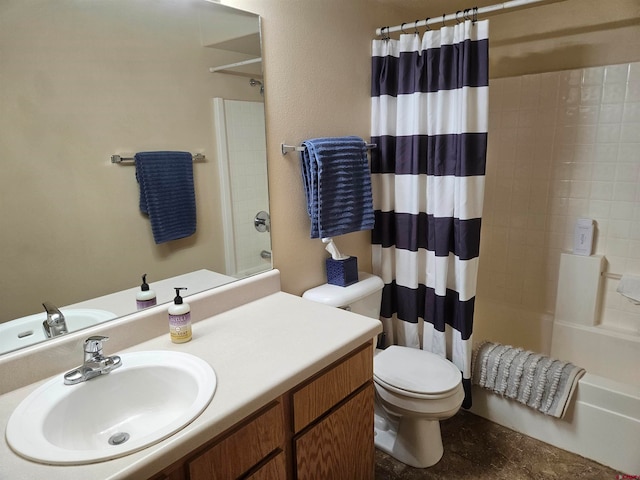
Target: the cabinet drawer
(330, 387)
(243, 448)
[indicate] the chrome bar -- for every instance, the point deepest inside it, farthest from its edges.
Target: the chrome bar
(197, 157)
(460, 15)
(292, 148)
(614, 276)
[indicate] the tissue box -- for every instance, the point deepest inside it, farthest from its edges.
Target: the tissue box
(342, 272)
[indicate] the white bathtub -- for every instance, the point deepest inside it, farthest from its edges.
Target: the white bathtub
(603, 420)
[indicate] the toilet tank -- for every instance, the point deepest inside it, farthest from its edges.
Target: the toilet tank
(362, 297)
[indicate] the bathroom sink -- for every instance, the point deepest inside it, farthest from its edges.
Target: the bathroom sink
(26, 331)
(150, 397)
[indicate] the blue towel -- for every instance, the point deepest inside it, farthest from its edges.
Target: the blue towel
(337, 183)
(167, 194)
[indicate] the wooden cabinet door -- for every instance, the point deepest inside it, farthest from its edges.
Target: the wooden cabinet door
(321, 393)
(243, 449)
(340, 446)
(274, 469)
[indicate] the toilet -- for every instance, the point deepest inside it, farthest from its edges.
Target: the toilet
(415, 389)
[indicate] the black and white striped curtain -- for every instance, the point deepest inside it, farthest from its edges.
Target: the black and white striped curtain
(429, 119)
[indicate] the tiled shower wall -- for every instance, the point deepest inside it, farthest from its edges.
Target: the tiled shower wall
(562, 145)
(247, 150)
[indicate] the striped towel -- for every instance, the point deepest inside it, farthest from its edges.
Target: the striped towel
(535, 380)
(337, 183)
(167, 193)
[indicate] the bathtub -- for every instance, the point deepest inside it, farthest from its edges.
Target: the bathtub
(603, 420)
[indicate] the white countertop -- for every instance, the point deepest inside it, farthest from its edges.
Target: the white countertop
(259, 351)
(124, 301)
(113, 305)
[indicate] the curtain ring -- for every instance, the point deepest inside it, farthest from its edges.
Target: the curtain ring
(415, 26)
(385, 35)
(427, 23)
(457, 19)
(466, 14)
(475, 14)
(443, 15)
(402, 27)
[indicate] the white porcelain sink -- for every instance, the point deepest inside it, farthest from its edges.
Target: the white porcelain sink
(149, 398)
(26, 331)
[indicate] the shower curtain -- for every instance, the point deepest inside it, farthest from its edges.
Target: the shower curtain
(429, 119)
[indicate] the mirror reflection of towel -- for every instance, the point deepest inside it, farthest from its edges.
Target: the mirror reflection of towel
(337, 182)
(167, 193)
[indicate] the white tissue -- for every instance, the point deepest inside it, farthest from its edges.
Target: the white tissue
(629, 287)
(333, 250)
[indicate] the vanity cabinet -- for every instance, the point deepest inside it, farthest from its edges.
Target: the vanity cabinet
(254, 442)
(340, 446)
(321, 429)
(254, 448)
(333, 421)
(274, 469)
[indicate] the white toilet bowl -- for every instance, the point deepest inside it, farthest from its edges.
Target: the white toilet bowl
(415, 389)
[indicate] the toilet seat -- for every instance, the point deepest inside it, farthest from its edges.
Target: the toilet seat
(416, 373)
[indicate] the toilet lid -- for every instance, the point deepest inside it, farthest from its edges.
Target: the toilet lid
(415, 370)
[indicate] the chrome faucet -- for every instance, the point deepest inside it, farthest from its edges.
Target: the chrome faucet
(55, 323)
(95, 363)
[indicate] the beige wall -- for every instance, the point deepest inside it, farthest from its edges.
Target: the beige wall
(317, 83)
(317, 72)
(565, 35)
(554, 156)
(562, 145)
(80, 82)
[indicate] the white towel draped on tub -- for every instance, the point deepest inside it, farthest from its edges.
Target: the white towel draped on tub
(532, 379)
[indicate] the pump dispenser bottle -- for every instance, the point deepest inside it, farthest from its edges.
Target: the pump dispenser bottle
(179, 319)
(145, 297)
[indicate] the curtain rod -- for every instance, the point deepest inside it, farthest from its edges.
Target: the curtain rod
(459, 15)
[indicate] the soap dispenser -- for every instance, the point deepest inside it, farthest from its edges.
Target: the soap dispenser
(145, 297)
(179, 319)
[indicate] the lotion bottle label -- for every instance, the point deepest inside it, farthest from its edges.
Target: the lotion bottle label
(140, 304)
(180, 327)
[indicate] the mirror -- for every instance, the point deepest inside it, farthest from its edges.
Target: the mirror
(85, 80)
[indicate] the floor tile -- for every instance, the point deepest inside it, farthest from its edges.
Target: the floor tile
(475, 448)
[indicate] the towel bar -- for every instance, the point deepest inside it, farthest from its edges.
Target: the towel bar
(614, 276)
(292, 148)
(197, 157)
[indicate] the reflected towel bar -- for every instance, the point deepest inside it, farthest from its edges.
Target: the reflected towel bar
(292, 148)
(197, 157)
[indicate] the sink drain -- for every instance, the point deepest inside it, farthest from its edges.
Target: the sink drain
(119, 438)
